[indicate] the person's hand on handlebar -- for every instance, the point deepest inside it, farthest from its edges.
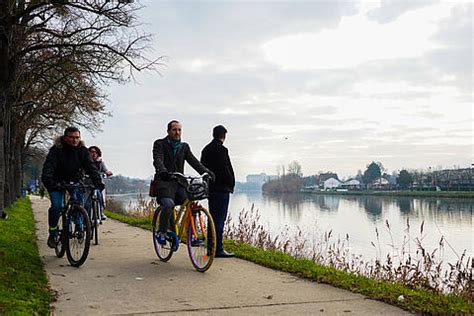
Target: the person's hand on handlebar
(100, 186)
(57, 187)
(210, 175)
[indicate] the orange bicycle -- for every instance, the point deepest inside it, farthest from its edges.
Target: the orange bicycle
(193, 225)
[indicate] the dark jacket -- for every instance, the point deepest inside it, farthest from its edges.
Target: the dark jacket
(165, 161)
(66, 163)
(216, 157)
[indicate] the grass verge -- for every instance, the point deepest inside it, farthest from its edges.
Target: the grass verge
(420, 301)
(144, 223)
(23, 283)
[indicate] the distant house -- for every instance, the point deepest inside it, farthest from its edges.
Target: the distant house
(331, 183)
(326, 176)
(380, 184)
(351, 184)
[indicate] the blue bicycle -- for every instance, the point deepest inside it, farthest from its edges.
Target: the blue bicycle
(74, 227)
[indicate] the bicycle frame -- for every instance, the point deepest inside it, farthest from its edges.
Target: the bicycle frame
(182, 218)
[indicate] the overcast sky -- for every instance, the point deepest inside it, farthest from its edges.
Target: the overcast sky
(332, 85)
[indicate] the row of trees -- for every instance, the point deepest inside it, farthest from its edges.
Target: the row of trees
(291, 179)
(54, 58)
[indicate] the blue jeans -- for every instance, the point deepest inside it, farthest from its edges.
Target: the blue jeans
(218, 207)
(167, 203)
(57, 203)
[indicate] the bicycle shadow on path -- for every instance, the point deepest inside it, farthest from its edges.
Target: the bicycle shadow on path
(123, 276)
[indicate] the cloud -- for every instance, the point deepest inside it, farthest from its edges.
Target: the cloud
(390, 10)
(358, 40)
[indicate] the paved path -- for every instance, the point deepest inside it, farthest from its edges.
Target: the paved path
(122, 276)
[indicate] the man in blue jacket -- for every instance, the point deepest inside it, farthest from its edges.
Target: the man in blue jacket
(216, 157)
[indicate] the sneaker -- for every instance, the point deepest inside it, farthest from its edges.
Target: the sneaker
(173, 238)
(196, 242)
(160, 238)
(52, 241)
(103, 217)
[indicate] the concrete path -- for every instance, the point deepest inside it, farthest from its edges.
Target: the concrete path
(123, 276)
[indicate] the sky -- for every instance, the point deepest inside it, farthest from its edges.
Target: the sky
(333, 85)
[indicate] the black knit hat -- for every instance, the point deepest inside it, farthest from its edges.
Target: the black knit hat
(219, 131)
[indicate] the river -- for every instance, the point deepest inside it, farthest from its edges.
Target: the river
(360, 216)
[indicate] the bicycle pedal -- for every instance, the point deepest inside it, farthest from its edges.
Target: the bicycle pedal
(197, 242)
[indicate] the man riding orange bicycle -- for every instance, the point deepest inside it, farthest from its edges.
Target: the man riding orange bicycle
(169, 155)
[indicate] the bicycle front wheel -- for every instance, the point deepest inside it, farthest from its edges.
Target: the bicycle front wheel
(60, 248)
(201, 239)
(78, 236)
(163, 252)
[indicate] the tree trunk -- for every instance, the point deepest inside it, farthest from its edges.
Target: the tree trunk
(7, 152)
(4, 30)
(18, 166)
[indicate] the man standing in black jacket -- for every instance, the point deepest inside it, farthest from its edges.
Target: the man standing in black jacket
(216, 157)
(67, 161)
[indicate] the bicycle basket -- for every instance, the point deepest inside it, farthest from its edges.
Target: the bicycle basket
(197, 189)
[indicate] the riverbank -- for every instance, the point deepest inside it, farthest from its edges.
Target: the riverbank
(23, 283)
(415, 300)
(426, 194)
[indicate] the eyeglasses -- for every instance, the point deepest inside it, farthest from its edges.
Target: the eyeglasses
(93, 151)
(74, 137)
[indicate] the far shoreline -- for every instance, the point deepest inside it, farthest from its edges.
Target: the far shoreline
(427, 194)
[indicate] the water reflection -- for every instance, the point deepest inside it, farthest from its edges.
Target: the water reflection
(454, 211)
(451, 210)
(286, 203)
(405, 205)
(327, 203)
(372, 206)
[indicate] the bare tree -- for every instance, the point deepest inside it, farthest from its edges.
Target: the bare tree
(54, 55)
(294, 168)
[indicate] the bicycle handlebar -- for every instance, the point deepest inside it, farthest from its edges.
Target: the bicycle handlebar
(73, 185)
(182, 176)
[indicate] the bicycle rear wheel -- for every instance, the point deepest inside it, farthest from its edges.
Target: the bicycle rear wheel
(60, 248)
(163, 252)
(95, 222)
(78, 235)
(201, 239)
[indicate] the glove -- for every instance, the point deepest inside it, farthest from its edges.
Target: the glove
(56, 187)
(212, 175)
(165, 176)
(100, 186)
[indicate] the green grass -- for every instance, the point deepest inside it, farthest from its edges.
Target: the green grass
(23, 282)
(419, 301)
(134, 221)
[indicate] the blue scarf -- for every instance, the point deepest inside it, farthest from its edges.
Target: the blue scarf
(175, 144)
